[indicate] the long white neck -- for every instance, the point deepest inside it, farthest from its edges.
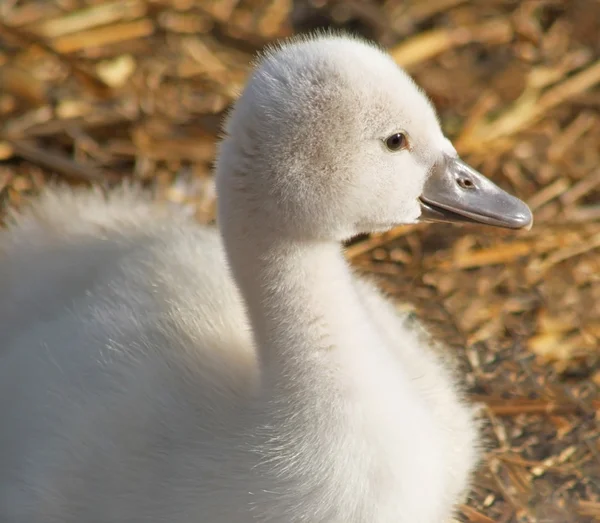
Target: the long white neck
(301, 301)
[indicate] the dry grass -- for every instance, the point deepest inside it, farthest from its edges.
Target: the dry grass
(101, 91)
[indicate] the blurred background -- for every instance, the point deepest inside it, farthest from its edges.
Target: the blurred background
(98, 91)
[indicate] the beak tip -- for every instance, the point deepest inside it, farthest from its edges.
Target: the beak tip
(524, 219)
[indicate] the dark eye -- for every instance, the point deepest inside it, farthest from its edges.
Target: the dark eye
(396, 142)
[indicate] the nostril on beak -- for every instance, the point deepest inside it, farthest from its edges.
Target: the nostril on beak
(465, 183)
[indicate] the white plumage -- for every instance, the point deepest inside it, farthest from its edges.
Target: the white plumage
(135, 387)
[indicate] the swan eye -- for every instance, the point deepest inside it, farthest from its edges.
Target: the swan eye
(396, 142)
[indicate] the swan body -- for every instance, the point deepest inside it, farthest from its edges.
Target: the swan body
(154, 370)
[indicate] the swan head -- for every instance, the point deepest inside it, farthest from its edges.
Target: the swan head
(330, 138)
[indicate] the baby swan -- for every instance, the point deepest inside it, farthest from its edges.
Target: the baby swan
(149, 374)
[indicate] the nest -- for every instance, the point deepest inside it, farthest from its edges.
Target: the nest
(99, 91)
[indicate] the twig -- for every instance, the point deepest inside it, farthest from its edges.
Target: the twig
(57, 162)
(95, 85)
(474, 515)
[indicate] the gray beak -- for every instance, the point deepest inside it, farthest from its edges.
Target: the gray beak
(455, 192)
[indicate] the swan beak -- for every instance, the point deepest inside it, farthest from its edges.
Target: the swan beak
(455, 192)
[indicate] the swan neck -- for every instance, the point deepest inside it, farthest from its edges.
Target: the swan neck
(300, 298)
